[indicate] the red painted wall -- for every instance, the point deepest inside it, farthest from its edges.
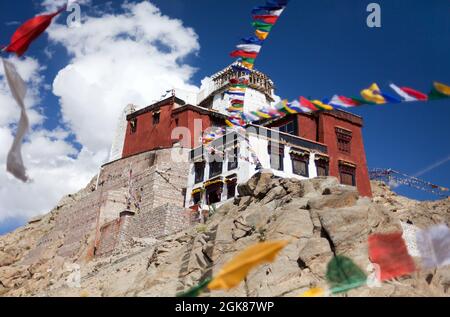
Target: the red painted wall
(327, 135)
(149, 137)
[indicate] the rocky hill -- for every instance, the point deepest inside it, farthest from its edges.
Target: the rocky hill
(320, 217)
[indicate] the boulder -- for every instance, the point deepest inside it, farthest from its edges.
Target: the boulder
(345, 226)
(6, 259)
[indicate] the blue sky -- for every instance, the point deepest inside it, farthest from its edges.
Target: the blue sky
(317, 49)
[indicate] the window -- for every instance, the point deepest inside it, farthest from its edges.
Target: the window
(156, 117)
(276, 152)
(322, 170)
(177, 122)
(347, 175)
(289, 128)
(231, 189)
(322, 167)
(197, 198)
(344, 139)
(214, 195)
(233, 159)
(133, 126)
(300, 165)
(199, 172)
(215, 169)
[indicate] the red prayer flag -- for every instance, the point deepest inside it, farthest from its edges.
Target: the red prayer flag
(240, 53)
(414, 93)
(389, 251)
(29, 31)
(270, 19)
(308, 104)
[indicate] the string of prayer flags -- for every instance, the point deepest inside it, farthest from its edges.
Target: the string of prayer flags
(14, 163)
(434, 246)
(343, 275)
(389, 251)
(196, 290)
(30, 31)
(235, 271)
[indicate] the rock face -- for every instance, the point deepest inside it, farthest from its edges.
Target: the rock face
(320, 217)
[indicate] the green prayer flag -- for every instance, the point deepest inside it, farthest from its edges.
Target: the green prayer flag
(436, 95)
(343, 275)
(196, 290)
(262, 26)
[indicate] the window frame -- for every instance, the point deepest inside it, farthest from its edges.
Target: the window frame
(197, 179)
(303, 159)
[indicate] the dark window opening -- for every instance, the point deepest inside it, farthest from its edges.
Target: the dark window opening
(215, 169)
(344, 140)
(133, 126)
(197, 198)
(177, 122)
(231, 190)
(156, 117)
(347, 175)
(300, 165)
(199, 172)
(289, 127)
(214, 195)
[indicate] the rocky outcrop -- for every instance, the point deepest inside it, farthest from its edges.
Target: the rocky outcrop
(320, 218)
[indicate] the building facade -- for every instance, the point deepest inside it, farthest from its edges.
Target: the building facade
(305, 145)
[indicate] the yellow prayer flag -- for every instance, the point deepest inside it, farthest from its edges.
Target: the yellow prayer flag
(247, 65)
(235, 271)
(372, 94)
(261, 35)
(443, 89)
(314, 292)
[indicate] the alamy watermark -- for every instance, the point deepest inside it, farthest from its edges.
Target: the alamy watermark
(374, 18)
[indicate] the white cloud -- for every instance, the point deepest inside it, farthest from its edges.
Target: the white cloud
(119, 59)
(116, 59)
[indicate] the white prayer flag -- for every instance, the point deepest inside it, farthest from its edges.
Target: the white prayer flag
(18, 89)
(434, 246)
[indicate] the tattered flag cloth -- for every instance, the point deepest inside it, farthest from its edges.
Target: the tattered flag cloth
(235, 271)
(344, 275)
(434, 246)
(18, 89)
(389, 251)
(29, 31)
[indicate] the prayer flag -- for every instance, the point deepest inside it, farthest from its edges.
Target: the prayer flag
(269, 19)
(308, 104)
(389, 251)
(441, 88)
(252, 40)
(372, 94)
(235, 271)
(240, 53)
(196, 290)
(249, 48)
(341, 101)
(262, 35)
(434, 246)
(319, 104)
(314, 292)
(409, 94)
(30, 31)
(14, 162)
(262, 26)
(343, 275)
